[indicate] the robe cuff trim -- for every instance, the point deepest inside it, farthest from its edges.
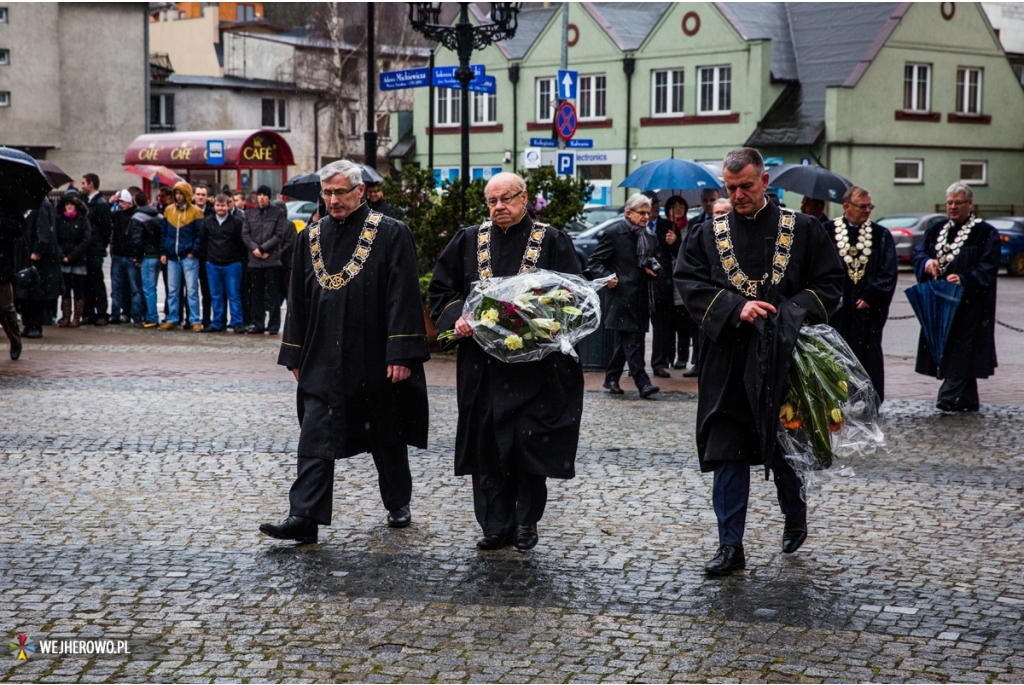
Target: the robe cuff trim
(446, 308)
(824, 311)
(407, 335)
(709, 307)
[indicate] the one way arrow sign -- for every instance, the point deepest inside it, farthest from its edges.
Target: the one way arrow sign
(567, 81)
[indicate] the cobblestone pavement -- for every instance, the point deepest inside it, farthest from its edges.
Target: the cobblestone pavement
(137, 467)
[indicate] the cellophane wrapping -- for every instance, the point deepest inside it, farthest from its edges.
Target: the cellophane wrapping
(526, 317)
(829, 411)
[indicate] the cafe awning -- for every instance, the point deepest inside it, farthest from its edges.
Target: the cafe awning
(252, 149)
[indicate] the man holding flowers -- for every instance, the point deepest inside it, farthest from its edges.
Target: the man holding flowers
(519, 423)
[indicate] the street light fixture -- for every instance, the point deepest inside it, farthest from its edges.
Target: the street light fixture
(462, 38)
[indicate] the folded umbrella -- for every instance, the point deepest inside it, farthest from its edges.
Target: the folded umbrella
(935, 304)
(23, 185)
(814, 182)
(155, 173)
(678, 174)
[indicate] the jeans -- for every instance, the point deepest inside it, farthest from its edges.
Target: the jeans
(175, 269)
(150, 277)
(122, 270)
(225, 288)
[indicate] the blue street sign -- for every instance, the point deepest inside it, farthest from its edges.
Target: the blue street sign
(566, 163)
(487, 84)
(805, 161)
(543, 142)
(407, 78)
(580, 142)
(444, 77)
(245, 179)
(215, 152)
(567, 81)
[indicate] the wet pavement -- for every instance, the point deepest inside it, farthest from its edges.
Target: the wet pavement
(137, 467)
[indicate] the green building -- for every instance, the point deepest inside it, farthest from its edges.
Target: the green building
(902, 98)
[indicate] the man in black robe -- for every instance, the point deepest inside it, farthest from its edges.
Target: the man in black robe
(519, 424)
(355, 341)
(869, 254)
(736, 274)
(963, 250)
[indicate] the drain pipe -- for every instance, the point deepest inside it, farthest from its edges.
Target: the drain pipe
(628, 66)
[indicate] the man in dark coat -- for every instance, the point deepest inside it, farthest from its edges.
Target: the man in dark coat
(355, 340)
(869, 254)
(375, 198)
(663, 328)
(44, 255)
(519, 424)
(734, 273)
(963, 250)
(815, 208)
(102, 227)
(626, 250)
(12, 240)
(263, 233)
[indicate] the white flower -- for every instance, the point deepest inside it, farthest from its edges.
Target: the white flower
(547, 325)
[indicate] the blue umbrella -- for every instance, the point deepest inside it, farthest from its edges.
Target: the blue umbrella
(935, 304)
(677, 174)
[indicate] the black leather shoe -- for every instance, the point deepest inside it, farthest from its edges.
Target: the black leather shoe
(944, 406)
(241, 330)
(727, 560)
(296, 528)
(526, 537)
(662, 373)
(33, 333)
(794, 534)
(399, 518)
(649, 390)
(613, 387)
(492, 542)
(254, 330)
(691, 373)
(680, 364)
(15, 350)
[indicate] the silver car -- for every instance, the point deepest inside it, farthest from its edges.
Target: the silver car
(908, 230)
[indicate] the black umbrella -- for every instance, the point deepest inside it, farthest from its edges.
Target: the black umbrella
(23, 184)
(810, 181)
(307, 186)
(54, 174)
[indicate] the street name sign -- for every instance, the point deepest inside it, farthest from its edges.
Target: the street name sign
(580, 143)
(487, 84)
(444, 77)
(543, 142)
(406, 78)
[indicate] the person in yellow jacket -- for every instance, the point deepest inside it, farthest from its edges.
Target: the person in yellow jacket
(179, 250)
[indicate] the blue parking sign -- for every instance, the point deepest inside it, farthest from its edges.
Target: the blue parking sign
(565, 163)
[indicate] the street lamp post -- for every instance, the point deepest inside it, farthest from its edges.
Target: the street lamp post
(462, 39)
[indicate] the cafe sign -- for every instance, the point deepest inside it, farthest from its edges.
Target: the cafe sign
(188, 150)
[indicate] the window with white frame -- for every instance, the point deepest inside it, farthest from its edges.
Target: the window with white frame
(3, 15)
(908, 171)
(591, 96)
(715, 90)
(5, 57)
(667, 92)
(275, 113)
(973, 172)
(447, 110)
(5, 98)
(917, 86)
(485, 108)
(545, 99)
(161, 112)
(968, 90)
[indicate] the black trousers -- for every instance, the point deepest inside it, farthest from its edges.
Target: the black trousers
(685, 329)
(502, 502)
(264, 286)
(663, 338)
(312, 493)
(95, 289)
(629, 348)
(274, 320)
(959, 395)
(204, 291)
(35, 313)
(730, 493)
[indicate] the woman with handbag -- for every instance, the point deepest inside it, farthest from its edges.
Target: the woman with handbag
(74, 232)
(36, 292)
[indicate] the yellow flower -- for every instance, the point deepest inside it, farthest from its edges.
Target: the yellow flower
(573, 311)
(562, 295)
(786, 412)
(547, 325)
(843, 386)
(835, 415)
(514, 342)
(489, 318)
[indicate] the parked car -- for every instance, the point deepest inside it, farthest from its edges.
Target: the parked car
(908, 230)
(299, 212)
(1011, 237)
(596, 214)
(586, 242)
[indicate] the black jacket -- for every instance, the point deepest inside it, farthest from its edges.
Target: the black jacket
(145, 232)
(75, 238)
(222, 244)
(626, 306)
(102, 225)
(41, 240)
(665, 254)
(120, 234)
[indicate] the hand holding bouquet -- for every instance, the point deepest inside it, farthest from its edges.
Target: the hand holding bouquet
(526, 317)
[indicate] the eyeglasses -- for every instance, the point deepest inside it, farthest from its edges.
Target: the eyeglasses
(328, 193)
(494, 201)
(955, 203)
(863, 208)
(640, 213)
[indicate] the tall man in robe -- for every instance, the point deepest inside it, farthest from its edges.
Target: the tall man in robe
(869, 254)
(519, 424)
(963, 250)
(736, 274)
(355, 341)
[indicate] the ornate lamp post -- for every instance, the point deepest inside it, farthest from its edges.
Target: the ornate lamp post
(462, 38)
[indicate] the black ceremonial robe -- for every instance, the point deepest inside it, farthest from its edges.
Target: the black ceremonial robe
(522, 415)
(971, 346)
(812, 282)
(862, 328)
(343, 340)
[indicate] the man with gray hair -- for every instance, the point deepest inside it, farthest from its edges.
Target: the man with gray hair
(519, 424)
(963, 250)
(755, 272)
(355, 341)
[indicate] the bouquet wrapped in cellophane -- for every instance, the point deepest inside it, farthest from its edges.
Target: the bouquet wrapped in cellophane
(829, 410)
(526, 317)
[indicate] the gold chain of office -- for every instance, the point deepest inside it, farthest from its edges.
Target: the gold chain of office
(530, 255)
(359, 256)
(946, 252)
(855, 255)
(727, 254)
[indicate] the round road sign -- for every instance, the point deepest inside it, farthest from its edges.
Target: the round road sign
(565, 120)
